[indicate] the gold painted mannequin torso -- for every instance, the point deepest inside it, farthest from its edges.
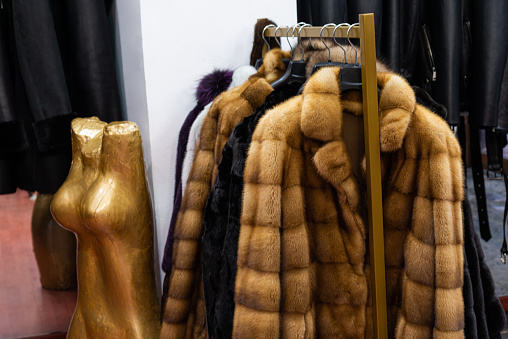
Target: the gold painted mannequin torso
(105, 201)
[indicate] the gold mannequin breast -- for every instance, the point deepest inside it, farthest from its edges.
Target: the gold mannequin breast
(112, 218)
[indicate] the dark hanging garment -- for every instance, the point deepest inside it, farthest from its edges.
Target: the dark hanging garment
(326, 11)
(357, 7)
(391, 34)
(13, 138)
(502, 115)
(222, 220)
(444, 21)
(304, 11)
(93, 85)
(42, 72)
(400, 31)
(62, 66)
(484, 314)
(12, 132)
(322, 12)
(489, 36)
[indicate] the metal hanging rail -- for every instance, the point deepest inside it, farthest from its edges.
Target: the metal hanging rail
(313, 32)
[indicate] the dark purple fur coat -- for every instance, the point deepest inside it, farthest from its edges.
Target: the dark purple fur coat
(208, 89)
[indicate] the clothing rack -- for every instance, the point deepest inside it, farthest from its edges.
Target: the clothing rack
(366, 33)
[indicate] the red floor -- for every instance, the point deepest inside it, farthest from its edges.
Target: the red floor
(26, 310)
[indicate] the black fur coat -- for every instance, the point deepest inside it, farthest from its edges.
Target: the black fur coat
(484, 314)
(222, 221)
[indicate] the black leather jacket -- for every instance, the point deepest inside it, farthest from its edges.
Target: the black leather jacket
(456, 50)
(56, 63)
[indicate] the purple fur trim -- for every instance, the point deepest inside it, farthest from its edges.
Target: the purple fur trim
(212, 85)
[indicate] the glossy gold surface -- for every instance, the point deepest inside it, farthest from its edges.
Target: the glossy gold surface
(105, 201)
(54, 247)
(373, 171)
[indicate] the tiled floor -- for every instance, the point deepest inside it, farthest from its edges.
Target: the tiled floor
(26, 309)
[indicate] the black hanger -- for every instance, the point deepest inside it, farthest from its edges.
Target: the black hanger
(259, 61)
(296, 69)
(295, 72)
(350, 75)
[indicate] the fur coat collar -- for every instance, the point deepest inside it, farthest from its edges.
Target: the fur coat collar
(293, 278)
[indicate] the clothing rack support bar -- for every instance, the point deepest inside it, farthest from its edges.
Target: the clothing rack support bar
(374, 192)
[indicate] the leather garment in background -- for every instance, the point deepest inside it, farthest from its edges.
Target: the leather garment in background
(399, 41)
(321, 12)
(489, 54)
(62, 65)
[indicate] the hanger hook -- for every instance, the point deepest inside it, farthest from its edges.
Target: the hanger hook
(264, 38)
(321, 37)
(335, 39)
(304, 24)
(351, 26)
(292, 35)
(301, 41)
(275, 35)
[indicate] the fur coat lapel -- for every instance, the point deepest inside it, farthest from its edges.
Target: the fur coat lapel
(322, 108)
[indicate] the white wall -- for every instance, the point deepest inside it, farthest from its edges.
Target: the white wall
(131, 79)
(181, 42)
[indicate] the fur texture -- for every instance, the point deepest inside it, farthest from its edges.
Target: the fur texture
(209, 87)
(301, 248)
(258, 42)
(222, 220)
(240, 75)
(212, 85)
(424, 99)
(184, 314)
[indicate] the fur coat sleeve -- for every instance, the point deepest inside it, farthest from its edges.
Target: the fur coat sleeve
(184, 313)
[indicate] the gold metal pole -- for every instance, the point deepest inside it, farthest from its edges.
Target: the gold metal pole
(374, 193)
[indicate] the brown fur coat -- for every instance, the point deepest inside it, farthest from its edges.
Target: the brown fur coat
(301, 269)
(184, 314)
